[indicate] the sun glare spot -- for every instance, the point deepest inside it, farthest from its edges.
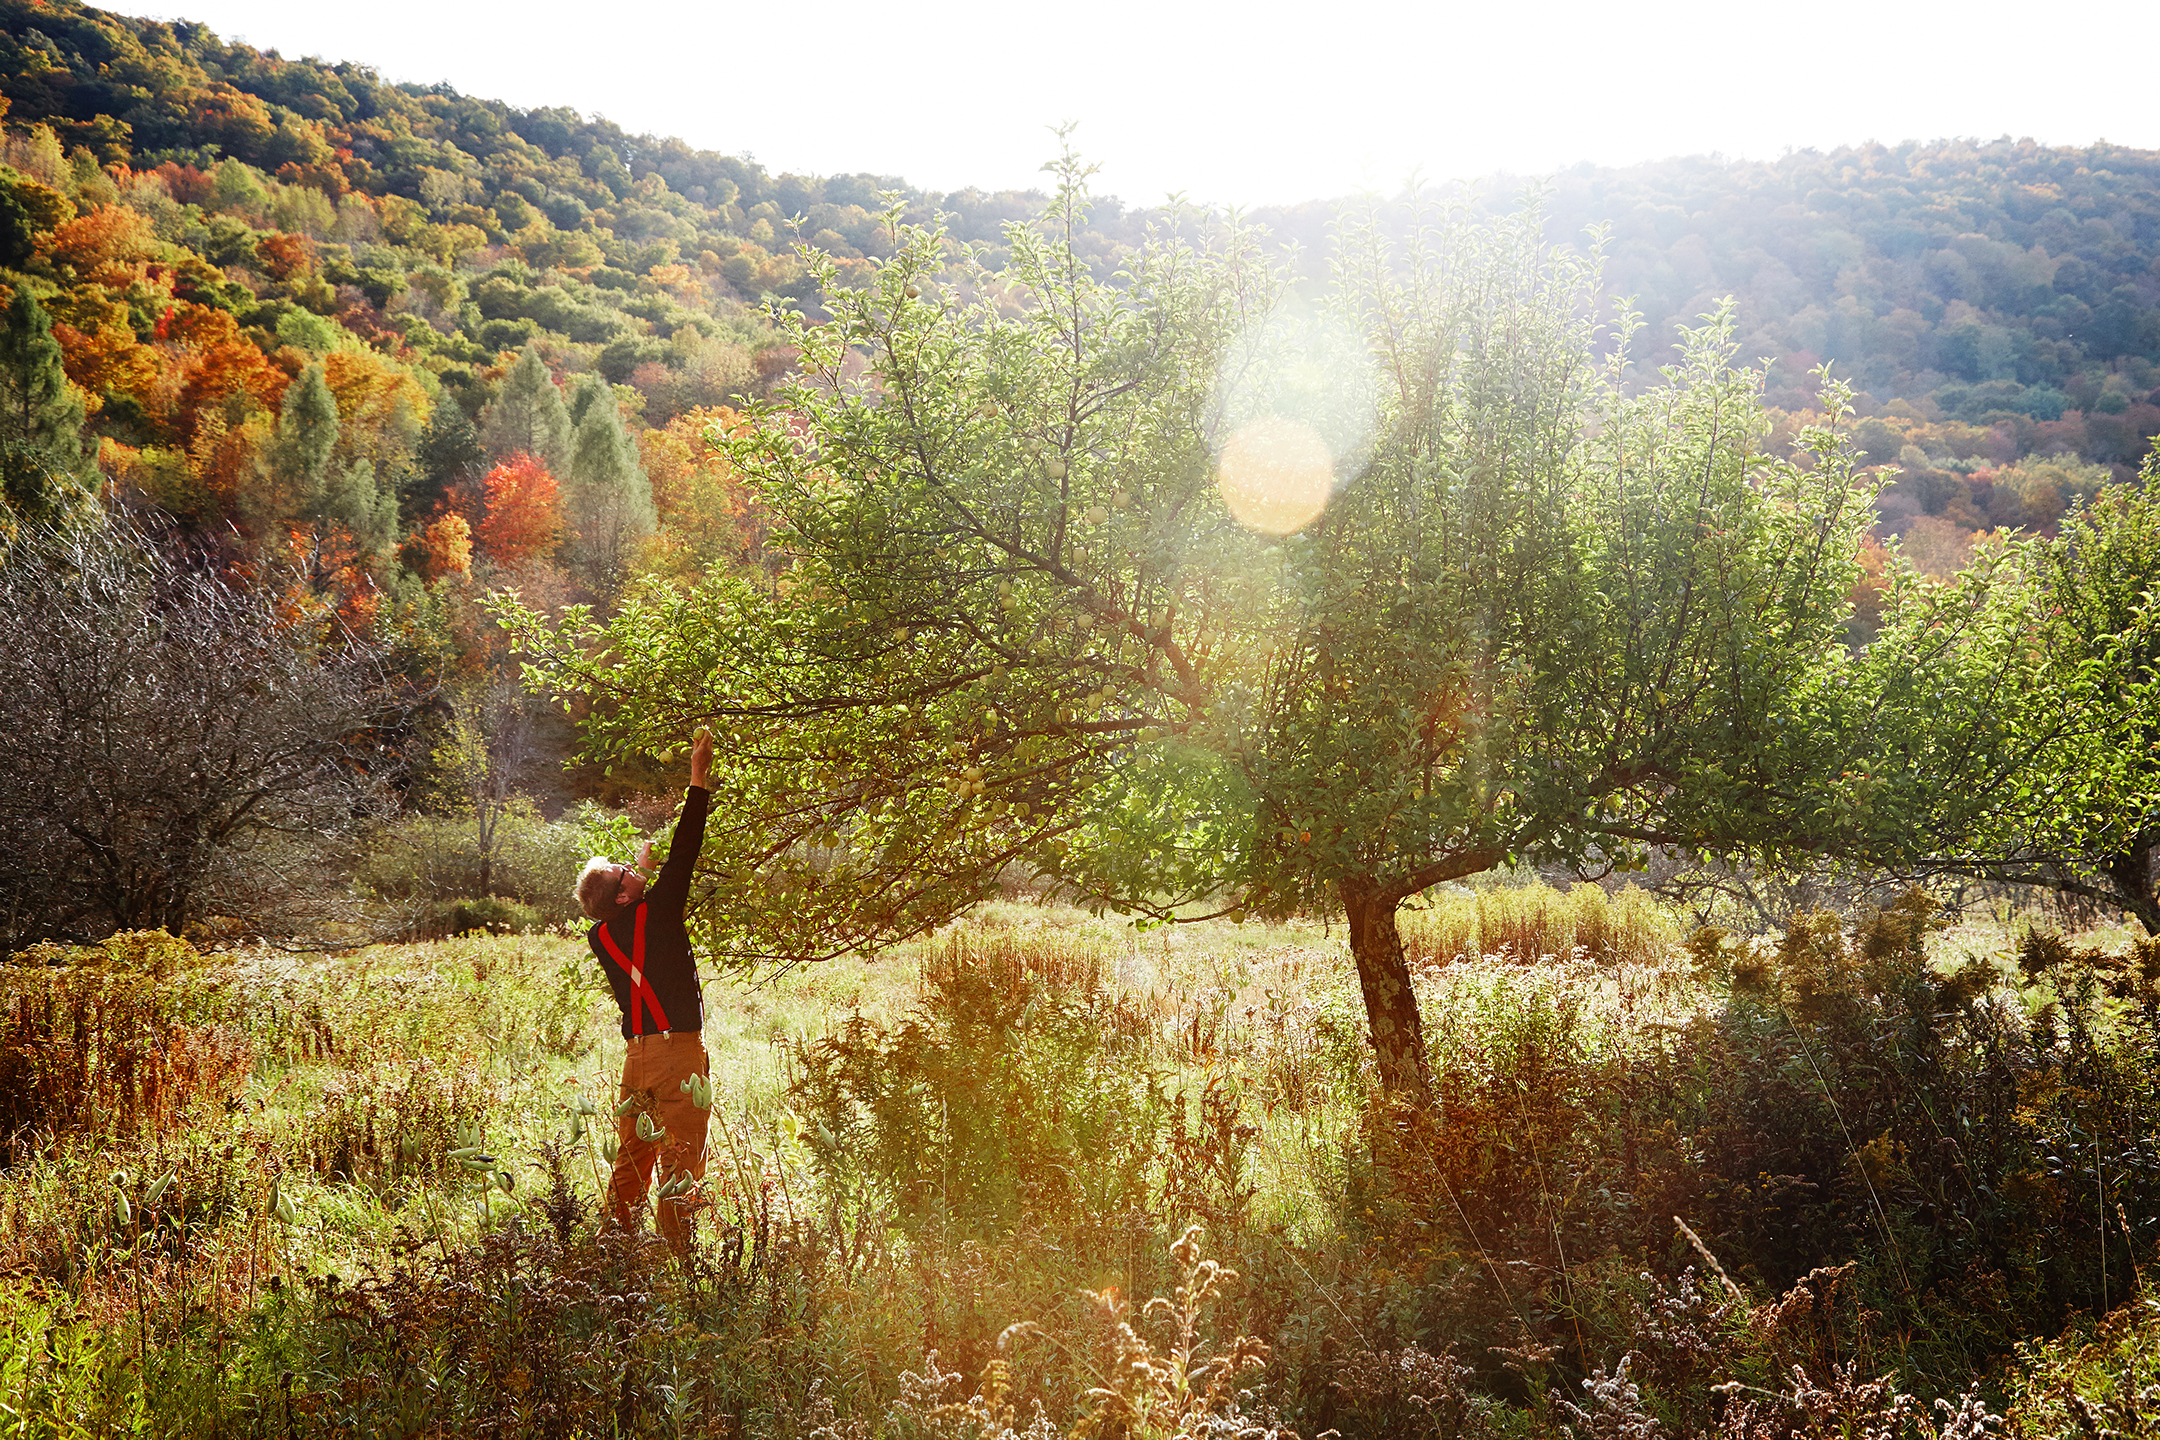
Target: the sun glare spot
(1297, 394)
(1276, 475)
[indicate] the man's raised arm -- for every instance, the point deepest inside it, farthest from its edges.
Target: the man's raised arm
(672, 884)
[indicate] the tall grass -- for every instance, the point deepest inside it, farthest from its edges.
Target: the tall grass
(1534, 922)
(1015, 1121)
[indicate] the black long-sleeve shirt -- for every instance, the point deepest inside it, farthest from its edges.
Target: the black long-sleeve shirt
(670, 968)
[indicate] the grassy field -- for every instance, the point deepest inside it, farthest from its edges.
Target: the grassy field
(1674, 1184)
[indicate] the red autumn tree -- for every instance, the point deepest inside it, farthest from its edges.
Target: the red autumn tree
(523, 515)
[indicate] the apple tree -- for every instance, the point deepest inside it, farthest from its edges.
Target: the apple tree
(2006, 724)
(1200, 595)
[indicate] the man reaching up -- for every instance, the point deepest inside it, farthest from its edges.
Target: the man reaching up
(644, 950)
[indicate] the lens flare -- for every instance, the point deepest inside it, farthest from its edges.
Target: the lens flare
(1275, 475)
(1298, 395)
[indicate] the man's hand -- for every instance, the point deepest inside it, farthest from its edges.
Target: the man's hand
(701, 759)
(644, 858)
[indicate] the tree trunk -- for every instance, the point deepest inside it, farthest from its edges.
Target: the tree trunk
(1398, 1035)
(2132, 872)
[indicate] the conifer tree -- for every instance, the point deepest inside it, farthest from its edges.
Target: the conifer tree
(307, 437)
(450, 454)
(527, 416)
(45, 469)
(608, 497)
(319, 486)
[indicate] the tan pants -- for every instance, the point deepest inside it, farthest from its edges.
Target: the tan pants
(654, 1069)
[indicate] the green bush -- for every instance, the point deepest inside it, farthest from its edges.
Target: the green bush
(491, 914)
(424, 870)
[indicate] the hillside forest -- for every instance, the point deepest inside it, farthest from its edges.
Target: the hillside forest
(206, 224)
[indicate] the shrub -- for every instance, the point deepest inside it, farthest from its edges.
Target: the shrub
(493, 915)
(426, 871)
(108, 1043)
(1843, 1101)
(1001, 1095)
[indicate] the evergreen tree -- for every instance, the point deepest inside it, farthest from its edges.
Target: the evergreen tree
(527, 416)
(320, 488)
(307, 437)
(608, 497)
(45, 469)
(450, 455)
(354, 499)
(588, 390)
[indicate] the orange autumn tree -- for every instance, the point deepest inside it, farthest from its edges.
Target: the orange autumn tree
(102, 261)
(442, 547)
(706, 512)
(211, 363)
(522, 518)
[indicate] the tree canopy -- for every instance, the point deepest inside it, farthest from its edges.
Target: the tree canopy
(1518, 612)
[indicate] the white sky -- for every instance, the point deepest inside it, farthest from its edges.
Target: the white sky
(1261, 104)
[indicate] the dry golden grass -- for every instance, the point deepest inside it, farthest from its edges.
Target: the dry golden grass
(1536, 922)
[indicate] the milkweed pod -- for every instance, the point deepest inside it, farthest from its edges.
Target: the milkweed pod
(286, 1214)
(577, 1127)
(121, 1212)
(462, 1152)
(505, 1181)
(646, 1129)
(158, 1189)
(584, 1107)
(626, 1107)
(608, 1149)
(270, 1206)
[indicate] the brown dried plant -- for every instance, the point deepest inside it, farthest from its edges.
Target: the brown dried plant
(1183, 1393)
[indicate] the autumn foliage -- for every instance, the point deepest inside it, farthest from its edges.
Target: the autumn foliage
(523, 512)
(442, 547)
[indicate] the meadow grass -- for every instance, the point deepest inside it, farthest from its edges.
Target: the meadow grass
(1015, 1120)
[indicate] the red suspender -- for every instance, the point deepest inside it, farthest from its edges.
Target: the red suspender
(640, 987)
